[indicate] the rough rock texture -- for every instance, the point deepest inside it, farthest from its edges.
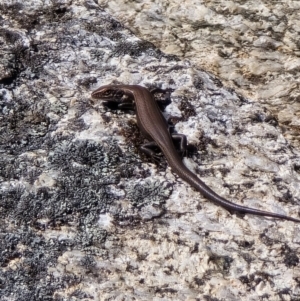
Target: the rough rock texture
(85, 217)
(253, 46)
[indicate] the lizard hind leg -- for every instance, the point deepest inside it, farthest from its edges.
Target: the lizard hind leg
(180, 143)
(152, 150)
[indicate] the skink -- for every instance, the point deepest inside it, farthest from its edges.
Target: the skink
(154, 127)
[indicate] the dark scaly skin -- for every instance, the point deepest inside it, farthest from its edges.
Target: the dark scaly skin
(154, 127)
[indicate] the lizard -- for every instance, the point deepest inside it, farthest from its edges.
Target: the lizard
(155, 129)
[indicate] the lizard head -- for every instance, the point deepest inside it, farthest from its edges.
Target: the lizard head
(109, 93)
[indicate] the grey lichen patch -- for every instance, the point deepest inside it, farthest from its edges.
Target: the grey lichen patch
(80, 194)
(136, 49)
(24, 123)
(26, 257)
(26, 168)
(87, 153)
(149, 193)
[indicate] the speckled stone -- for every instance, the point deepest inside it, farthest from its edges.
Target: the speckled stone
(85, 217)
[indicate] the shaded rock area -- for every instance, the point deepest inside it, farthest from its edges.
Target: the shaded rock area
(84, 216)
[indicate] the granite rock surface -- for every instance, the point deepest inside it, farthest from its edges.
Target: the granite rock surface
(85, 217)
(252, 46)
